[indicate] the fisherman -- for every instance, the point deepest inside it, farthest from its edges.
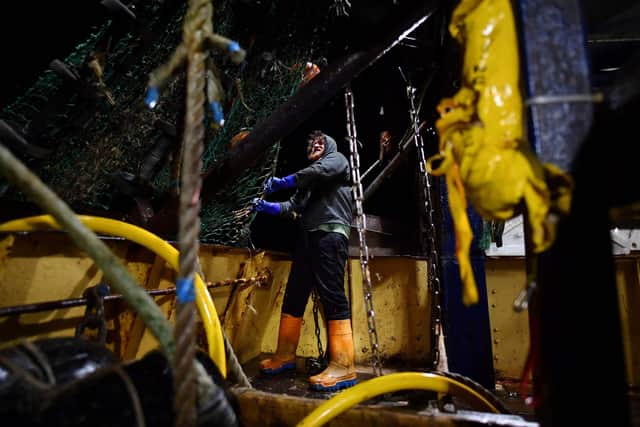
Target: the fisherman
(322, 205)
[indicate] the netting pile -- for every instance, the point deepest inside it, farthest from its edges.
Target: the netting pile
(98, 137)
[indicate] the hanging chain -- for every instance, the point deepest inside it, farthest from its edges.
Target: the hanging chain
(316, 321)
(315, 365)
(361, 224)
(341, 7)
(432, 257)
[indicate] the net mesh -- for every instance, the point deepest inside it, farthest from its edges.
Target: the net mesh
(94, 140)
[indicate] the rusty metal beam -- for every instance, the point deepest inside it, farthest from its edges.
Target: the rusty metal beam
(391, 166)
(311, 97)
(75, 302)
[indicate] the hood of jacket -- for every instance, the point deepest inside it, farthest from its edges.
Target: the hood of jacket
(330, 145)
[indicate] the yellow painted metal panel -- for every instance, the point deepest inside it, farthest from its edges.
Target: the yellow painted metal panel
(47, 266)
(161, 277)
(509, 329)
(401, 305)
(628, 282)
(43, 267)
(247, 312)
(268, 304)
(399, 286)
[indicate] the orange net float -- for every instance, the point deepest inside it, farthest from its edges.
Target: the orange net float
(238, 137)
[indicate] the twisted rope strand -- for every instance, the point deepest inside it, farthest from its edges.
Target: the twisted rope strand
(198, 15)
(197, 37)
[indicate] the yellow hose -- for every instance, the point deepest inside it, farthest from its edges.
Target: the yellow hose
(158, 246)
(387, 384)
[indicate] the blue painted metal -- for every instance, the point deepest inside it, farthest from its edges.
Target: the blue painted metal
(576, 303)
(467, 329)
(556, 64)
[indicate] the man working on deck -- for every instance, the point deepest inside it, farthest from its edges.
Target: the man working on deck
(322, 204)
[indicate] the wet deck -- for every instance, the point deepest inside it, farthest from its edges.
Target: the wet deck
(411, 408)
(291, 391)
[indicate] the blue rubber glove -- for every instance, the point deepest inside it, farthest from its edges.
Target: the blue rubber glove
(266, 207)
(276, 184)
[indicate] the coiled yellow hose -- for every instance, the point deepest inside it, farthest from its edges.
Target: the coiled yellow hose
(156, 245)
(387, 384)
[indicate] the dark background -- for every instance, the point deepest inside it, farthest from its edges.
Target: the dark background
(34, 33)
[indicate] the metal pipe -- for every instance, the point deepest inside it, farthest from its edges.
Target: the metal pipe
(370, 168)
(393, 164)
(37, 307)
(18, 174)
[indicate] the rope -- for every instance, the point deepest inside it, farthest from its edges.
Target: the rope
(197, 30)
(189, 221)
(117, 275)
(235, 371)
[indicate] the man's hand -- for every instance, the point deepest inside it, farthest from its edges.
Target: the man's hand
(266, 207)
(274, 184)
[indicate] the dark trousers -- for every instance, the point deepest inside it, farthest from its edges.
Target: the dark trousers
(319, 259)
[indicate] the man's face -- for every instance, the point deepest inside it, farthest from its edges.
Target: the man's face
(315, 148)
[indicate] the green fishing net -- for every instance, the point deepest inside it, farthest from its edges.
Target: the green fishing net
(93, 139)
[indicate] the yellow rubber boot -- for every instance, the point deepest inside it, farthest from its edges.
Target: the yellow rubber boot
(341, 371)
(285, 357)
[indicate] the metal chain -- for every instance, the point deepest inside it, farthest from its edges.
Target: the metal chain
(316, 321)
(361, 224)
(94, 317)
(433, 258)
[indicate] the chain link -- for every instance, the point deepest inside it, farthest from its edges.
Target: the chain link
(361, 224)
(433, 258)
(316, 365)
(316, 320)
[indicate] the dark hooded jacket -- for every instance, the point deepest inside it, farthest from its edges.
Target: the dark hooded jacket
(323, 194)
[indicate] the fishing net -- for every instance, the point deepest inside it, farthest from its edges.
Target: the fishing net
(101, 136)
